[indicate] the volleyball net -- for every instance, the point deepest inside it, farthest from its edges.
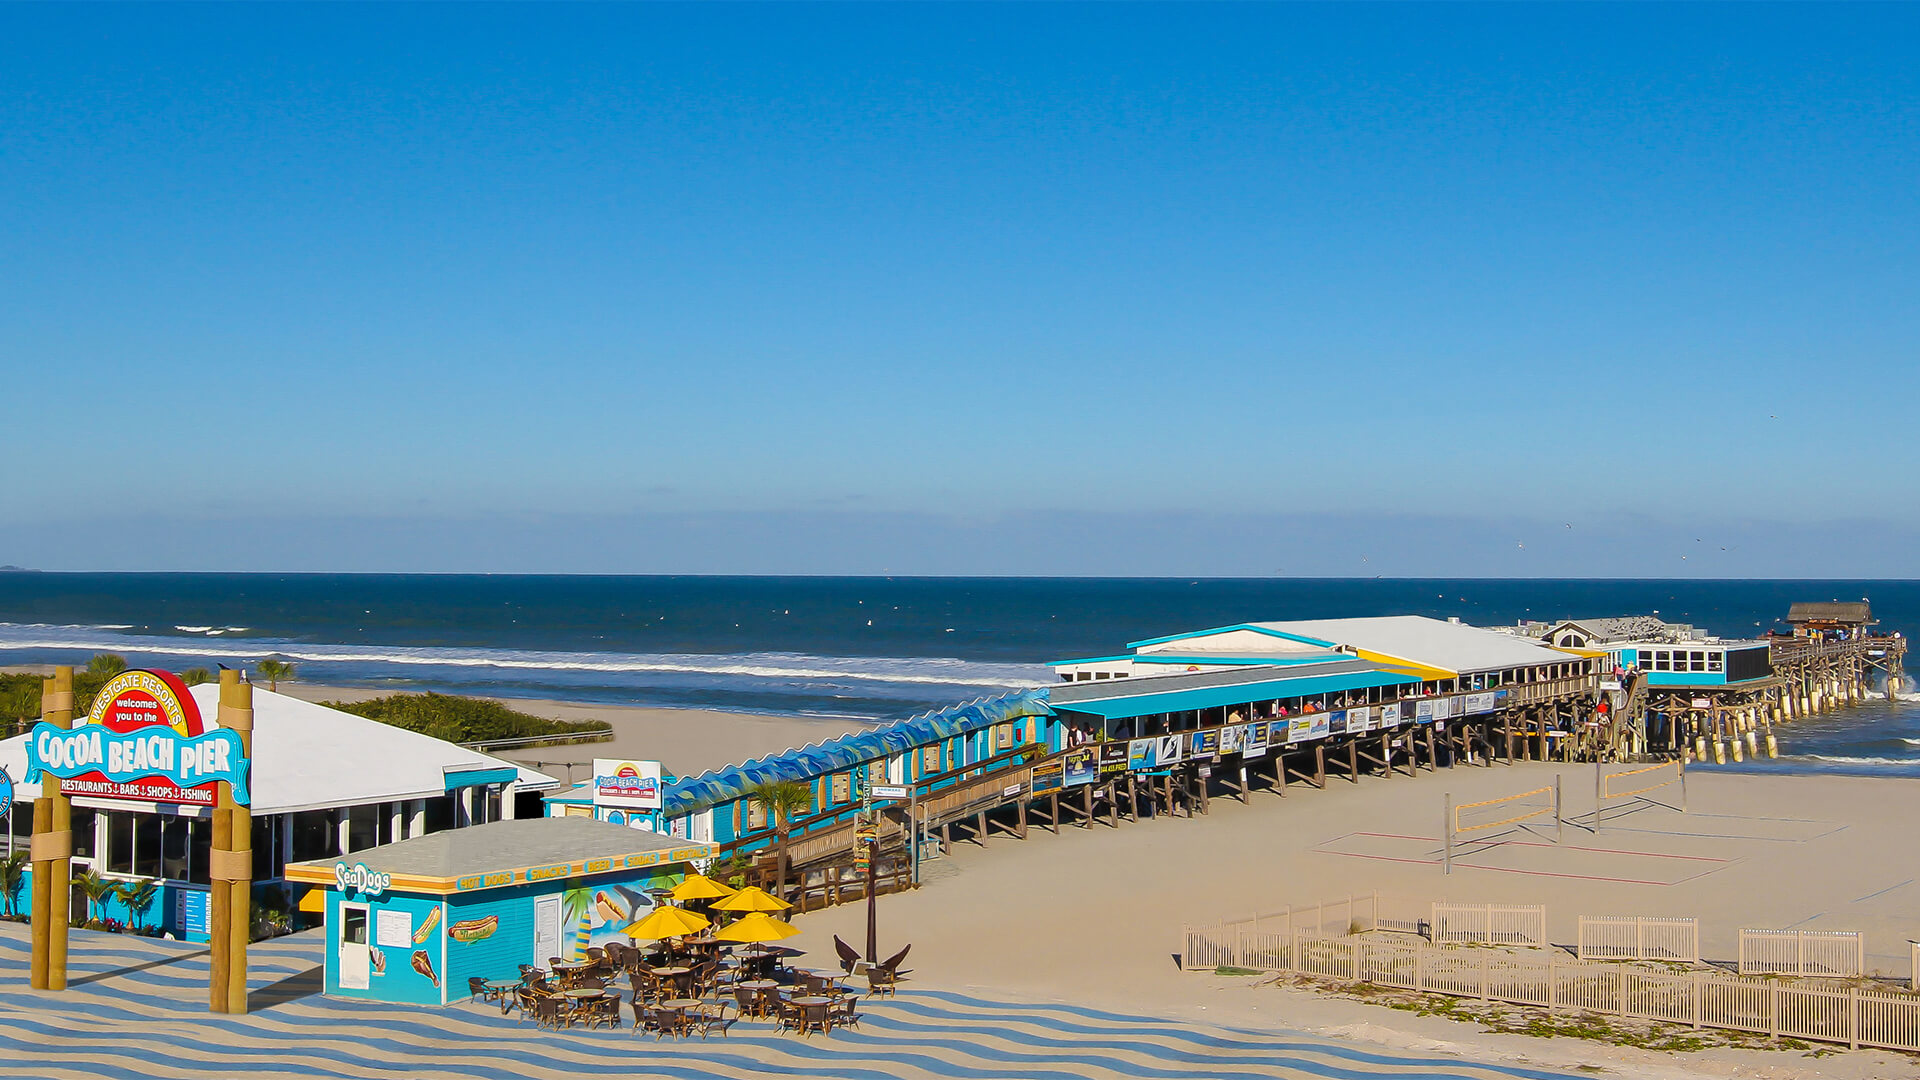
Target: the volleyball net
(1508, 811)
(1613, 787)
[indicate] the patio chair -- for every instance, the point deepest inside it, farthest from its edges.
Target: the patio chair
(709, 1017)
(551, 1013)
(881, 979)
(749, 1002)
(529, 973)
(590, 982)
(849, 955)
(792, 1017)
(842, 1013)
(595, 952)
(604, 1011)
(643, 1018)
(477, 989)
(814, 984)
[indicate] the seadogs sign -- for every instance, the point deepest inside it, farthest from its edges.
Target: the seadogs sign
(145, 741)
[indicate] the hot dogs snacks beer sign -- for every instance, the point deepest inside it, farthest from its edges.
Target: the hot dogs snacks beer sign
(144, 741)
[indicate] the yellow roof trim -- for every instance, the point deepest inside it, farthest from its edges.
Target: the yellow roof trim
(1403, 666)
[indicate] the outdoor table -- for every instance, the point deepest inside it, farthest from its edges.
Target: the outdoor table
(680, 977)
(501, 990)
(583, 993)
(816, 1008)
(678, 1007)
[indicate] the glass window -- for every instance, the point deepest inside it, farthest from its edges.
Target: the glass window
(120, 843)
(266, 848)
(22, 827)
(1716, 661)
(175, 859)
(756, 815)
(440, 814)
(841, 786)
(353, 925)
(363, 827)
(199, 851)
(83, 821)
(315, 836)
(146, 845)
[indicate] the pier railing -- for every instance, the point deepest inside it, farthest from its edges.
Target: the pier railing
(1793, 650)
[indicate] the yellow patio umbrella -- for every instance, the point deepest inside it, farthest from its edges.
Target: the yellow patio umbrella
(666, 922)
(758, 926)
(752, 898)
(700, 887)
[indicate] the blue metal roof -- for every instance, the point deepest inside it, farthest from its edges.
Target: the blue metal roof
(691, 793)
(1207, 697)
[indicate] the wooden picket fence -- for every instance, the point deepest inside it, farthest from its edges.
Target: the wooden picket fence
(1830, 953)
(1637, 937)
(1848, 1015)
(1488, 924)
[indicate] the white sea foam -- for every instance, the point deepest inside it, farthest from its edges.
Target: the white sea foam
(804, 667)
(1839, 759)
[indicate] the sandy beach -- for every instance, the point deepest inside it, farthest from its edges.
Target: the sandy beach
(684, 741)
(1094, 916)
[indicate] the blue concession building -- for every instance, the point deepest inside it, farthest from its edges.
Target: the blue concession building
(412, 922)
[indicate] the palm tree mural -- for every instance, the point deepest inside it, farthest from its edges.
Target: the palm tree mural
(782, 800)
(576, 910)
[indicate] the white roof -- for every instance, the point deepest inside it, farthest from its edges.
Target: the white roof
(1429, 642)
(310, 757)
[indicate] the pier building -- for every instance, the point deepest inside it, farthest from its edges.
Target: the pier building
(325, 784)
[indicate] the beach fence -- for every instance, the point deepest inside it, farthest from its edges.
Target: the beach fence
(1849, 1015)
(1637, 937)
(1636, 783)
(1489, 924)
(1817, 953)
(1470, 819)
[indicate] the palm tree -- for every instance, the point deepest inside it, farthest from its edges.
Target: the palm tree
(107, 664)
(273, 670)
(781, 800)
(97, 888)
(194, 676)
(138, 896)
(13, 871)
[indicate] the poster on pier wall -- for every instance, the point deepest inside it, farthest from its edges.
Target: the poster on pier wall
(1141, 756)
(1171, 751)
(1256, 741)
(1300, 729)
(1232, 739)
(1081, 766)
(1114, 757)
(1337, 722)
(1478, 703)
(1047, 778)
(1359, 721)
(1319, 726)
(1390, 715)
(1204, 745)
(1423, 711)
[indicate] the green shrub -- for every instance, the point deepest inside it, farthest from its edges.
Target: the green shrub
(462, 719)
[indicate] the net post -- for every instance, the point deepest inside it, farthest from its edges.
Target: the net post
(1446, 860)
(1683, 784)
(1599, 793)
(1559, 820)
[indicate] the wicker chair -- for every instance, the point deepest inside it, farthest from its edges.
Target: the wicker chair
(551, 1012)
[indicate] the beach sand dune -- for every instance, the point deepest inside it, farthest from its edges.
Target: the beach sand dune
(1094, 916)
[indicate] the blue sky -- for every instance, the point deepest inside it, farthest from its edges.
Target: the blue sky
(1128, 289)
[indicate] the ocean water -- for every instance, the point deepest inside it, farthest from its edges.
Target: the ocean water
(867, 647)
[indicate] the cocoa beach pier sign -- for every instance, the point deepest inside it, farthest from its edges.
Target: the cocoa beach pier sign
(144, 740)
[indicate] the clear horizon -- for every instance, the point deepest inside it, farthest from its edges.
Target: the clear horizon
(1160, 290)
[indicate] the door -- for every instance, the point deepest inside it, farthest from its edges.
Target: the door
(546, 930)
(355, 958)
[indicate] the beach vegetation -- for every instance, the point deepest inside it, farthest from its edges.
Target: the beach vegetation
(98, 889)
(275, 670)
(138, 896)
(782, 801)
(194, 676)
(465, 720)
(106, 665)
(13, 874)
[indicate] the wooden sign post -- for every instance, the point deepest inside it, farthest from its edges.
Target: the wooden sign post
(231, 903)
(52, 851)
